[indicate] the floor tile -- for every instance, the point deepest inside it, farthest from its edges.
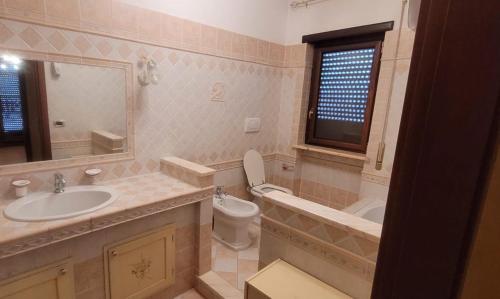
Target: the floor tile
(247, 266)
(236, 266)
(251, 253)
(231, 277)
(225, 265)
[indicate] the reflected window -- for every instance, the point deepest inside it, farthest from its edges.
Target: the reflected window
(11, 106)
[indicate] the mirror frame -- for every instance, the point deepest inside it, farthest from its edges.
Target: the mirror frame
(26, 167)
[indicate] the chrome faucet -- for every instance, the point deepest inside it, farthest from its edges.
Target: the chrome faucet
(59, 183)
(219, 192)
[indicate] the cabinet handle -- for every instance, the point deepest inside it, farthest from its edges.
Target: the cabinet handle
(114, 253)
(62, 271)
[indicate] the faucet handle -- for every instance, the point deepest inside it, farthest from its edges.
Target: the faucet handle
(219, 190)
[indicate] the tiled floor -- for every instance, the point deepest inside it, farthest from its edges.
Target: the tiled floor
(191, 294)
(236, 266)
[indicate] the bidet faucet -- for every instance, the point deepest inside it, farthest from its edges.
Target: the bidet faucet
(219, 191)
(59, 183)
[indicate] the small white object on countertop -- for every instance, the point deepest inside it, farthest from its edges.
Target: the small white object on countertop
(21, 187)
(92, 173)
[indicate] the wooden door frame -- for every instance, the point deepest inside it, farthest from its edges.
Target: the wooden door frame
(36, 95)
(44, 111)
(448, 130)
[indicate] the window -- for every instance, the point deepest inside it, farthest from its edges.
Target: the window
(11, 104)
(343, 86)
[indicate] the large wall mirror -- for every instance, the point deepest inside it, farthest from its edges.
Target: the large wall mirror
(63, 110)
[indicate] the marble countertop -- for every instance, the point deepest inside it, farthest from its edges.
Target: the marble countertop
(138, 197)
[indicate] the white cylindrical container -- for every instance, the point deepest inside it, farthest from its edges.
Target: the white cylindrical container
(92, 173)
(21, 187)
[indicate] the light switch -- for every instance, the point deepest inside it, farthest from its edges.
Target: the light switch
(59, 123)
(252, 124)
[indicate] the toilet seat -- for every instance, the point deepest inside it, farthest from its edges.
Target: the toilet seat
(266, 188)
(254, 169)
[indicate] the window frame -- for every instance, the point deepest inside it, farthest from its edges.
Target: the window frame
(345, 39)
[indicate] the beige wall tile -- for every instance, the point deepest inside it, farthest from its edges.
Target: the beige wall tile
(191, 34)
(29, 9)
(224, 42)
(124, 19)
(171, 29)
(209, 39)
(96, 15)
(251, 47)
(237, 45)
(340, 278)
(149, 25)
(66, 12)
(276, 52)
(263, 48)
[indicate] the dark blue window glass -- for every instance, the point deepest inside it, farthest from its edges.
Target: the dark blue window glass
(10, 101)
(344, 85)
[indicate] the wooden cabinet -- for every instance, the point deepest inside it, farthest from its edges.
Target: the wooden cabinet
(280, 280)
(140, 266)
(51, 282)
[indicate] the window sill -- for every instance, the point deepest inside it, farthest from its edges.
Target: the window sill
(355, 158)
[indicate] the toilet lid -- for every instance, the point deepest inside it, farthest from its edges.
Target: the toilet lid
(254, 168)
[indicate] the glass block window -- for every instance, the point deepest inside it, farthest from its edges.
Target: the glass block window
(342, 93)
(11, 101)
(344, 85)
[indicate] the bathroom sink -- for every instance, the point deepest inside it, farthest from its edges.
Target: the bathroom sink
(74, 201)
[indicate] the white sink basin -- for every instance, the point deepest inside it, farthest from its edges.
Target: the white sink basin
(74, 201)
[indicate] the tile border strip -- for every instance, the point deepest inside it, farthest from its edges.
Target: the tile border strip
(94, 224)
(274, 53)
(320, 248)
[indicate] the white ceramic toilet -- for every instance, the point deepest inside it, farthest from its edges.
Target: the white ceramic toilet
(231, 219)
(256, 176)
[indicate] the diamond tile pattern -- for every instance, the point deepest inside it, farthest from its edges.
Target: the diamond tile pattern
(31, 37)
(5, 33)
(57, 40)
(339, 236)
(174, 117)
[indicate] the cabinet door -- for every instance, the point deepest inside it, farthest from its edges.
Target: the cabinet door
(51, 282)
(140, 267)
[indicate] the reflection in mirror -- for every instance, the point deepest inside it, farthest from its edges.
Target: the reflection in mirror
(53, 110)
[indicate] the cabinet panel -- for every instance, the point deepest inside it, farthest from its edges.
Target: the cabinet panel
(52, 282)
(140, 266)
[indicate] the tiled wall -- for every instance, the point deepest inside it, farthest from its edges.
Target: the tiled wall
(179, 115)
(118, 19)
(329, 180)
(333, 249)
(175, 117)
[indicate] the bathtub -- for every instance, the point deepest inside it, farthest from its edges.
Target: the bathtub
(368, 209)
